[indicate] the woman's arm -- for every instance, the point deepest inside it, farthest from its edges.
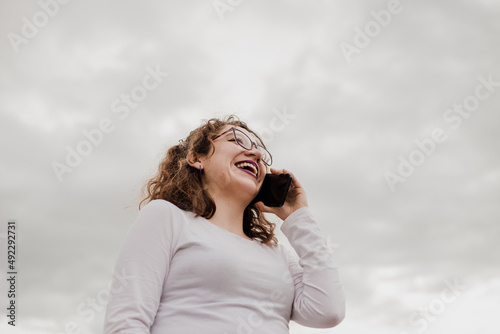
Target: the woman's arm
(140, 270)
(319, 299)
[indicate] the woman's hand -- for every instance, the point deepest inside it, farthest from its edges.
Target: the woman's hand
(295, 199)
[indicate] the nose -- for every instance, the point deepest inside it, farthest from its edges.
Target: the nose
(254, 151)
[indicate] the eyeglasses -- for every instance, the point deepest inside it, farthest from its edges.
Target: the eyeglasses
(244, 141)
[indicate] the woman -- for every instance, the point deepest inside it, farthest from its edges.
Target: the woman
(200, 258)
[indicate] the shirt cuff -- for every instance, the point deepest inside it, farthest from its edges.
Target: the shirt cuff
(299, 214)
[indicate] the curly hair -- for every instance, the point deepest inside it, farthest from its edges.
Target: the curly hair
(178, 182)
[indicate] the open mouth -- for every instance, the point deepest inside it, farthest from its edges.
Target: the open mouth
(249, 167)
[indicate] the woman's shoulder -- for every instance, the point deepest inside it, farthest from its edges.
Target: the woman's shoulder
(161, 211)
(161, 205)
(162, 219)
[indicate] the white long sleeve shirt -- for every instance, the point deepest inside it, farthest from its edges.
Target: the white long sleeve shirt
(181, 274)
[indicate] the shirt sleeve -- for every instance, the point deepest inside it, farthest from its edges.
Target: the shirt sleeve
(142, 265)
(319, 300)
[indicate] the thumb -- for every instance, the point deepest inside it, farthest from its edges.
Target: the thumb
(262, 207)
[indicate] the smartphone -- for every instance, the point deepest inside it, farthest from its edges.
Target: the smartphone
(274, 190)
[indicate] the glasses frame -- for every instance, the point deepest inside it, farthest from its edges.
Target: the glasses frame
(259, 147)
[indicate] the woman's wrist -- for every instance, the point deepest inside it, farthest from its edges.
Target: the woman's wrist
(295, 211)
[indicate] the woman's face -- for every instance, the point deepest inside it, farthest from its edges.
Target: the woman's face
(221, 175)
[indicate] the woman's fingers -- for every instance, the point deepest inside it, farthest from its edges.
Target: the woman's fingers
(295, 182)
(296, 197)
(261, 206)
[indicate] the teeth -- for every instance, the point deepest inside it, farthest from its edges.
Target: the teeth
(247, 164)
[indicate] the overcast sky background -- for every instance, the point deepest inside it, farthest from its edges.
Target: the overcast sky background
(348, 123)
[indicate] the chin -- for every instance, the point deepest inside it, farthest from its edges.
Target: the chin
(247, 188)
(250, 189)
(247, 184)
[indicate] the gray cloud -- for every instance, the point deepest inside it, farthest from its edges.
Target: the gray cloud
(352, 122)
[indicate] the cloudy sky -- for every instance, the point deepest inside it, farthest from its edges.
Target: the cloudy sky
(386, 111)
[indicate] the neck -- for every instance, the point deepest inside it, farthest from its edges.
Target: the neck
(229, 214)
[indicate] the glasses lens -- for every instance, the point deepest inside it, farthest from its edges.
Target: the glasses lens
(265, 155)
(245, 142)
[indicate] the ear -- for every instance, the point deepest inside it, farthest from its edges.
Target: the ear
(193, 160)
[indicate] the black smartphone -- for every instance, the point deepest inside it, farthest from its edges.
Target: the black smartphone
(274, 190)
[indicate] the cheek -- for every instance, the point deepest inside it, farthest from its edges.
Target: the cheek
(220, 164)
(222, 177)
